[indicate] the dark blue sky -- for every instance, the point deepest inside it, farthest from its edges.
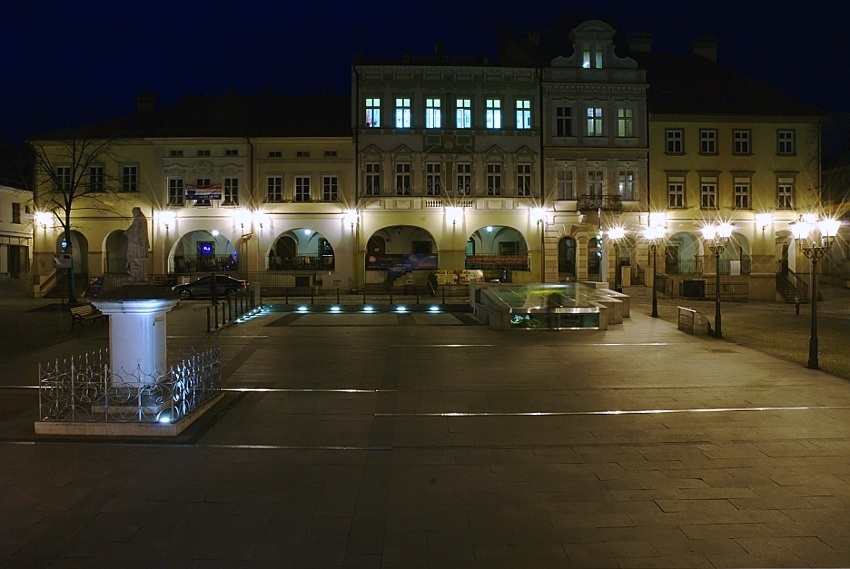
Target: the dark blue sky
(63, 65)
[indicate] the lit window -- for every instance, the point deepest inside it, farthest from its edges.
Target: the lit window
(433, 117)
(97, 179)
(402, 179)
(675, 141)
(432, 178)
(785, 142)
(523, 180)
(785, 194)
(274, 188)
(373, 113)
(741, 143)
(626, 185)
(708, 141)
(176, 193)
(591, 58)
(130, 178)
(594, 121)
(494, 179)
(464, 179)
(330, 188)
(402, 113)
(523, 114)
(494, 113)
(676, 192)
(463, 113)
(231, 191)
(302, 188)
(625, 122)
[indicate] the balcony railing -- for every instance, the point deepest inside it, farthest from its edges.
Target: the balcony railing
(588, 203)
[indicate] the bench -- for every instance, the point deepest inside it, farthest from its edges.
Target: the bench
(83, 312)
(693, 322)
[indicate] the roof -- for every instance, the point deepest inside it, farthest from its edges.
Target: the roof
(693, 85)
(231, 115)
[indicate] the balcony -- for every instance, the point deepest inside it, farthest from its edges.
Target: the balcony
(590, 203)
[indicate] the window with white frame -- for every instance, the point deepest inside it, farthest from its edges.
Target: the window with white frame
(176, 191)
(708, 192)
(523, 180)
(274, 188)
(675, 138)
(708, 141)
(202, 182)
(302, 189)
(741, 142)
(373, 178)
(494, 179)
(433, 113)
(523, 114)
(97, 179)
(402, 179)
(402, 113)
(594, 121)
(595, 183)
(785, 142)
(231, 191)
(373, 112)
(591, 57)
(433, 183)
(464, 179)
(785, 193)
(625, 122)
(564, 185)
(129, 178)
(463, 113)
(563, 121)
(742, 193)
(676, 192)
(330, 188)
(493, 114)
(626, 184)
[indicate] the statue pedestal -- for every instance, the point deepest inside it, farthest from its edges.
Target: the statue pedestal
(137, 347)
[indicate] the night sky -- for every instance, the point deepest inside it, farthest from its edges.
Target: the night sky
(63, 65)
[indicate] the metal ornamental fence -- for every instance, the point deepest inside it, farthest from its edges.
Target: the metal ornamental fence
(83, 389)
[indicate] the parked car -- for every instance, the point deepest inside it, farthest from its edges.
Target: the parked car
(226, 286)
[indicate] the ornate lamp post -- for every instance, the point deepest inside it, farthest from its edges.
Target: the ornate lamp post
(717, 237)
(654, 234)
(814, 248)
(615, 234)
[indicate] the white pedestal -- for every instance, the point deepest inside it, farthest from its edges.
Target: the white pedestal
(137, 349)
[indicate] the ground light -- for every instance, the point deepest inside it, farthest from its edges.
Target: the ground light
(401, 308)
(302, 309)
(368, 309)
(434, 308)
(335, 308)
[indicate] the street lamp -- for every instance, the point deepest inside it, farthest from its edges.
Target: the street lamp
(815, 250)
(654, 234)
(717, 236)
(615, 234)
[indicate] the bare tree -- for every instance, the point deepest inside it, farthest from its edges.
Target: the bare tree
(71, 176)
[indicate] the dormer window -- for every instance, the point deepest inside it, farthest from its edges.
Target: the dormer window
(591, 58)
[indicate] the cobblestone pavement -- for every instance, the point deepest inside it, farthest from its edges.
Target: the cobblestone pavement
(424, 440)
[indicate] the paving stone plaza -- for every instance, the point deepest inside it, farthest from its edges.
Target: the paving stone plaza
(424, 440)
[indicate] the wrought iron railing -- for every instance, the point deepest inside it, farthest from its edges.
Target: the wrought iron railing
(83, 389)
(605, 203)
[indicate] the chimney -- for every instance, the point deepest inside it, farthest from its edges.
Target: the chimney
(640, 42)
(145, 101)
(705, 47)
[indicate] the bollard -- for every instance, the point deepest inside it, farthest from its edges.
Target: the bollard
(337, 295)
(215, 309)
(364, 295)
(797, 305)
(444, 294)
(208, 318)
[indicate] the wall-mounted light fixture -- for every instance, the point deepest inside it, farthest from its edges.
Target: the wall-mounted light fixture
(43, 218)
(167, 218)
(764, 220)
(454, 214)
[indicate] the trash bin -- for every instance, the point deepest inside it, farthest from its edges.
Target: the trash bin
(693, 288)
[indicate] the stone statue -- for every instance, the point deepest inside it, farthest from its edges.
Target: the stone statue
(137, 246)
